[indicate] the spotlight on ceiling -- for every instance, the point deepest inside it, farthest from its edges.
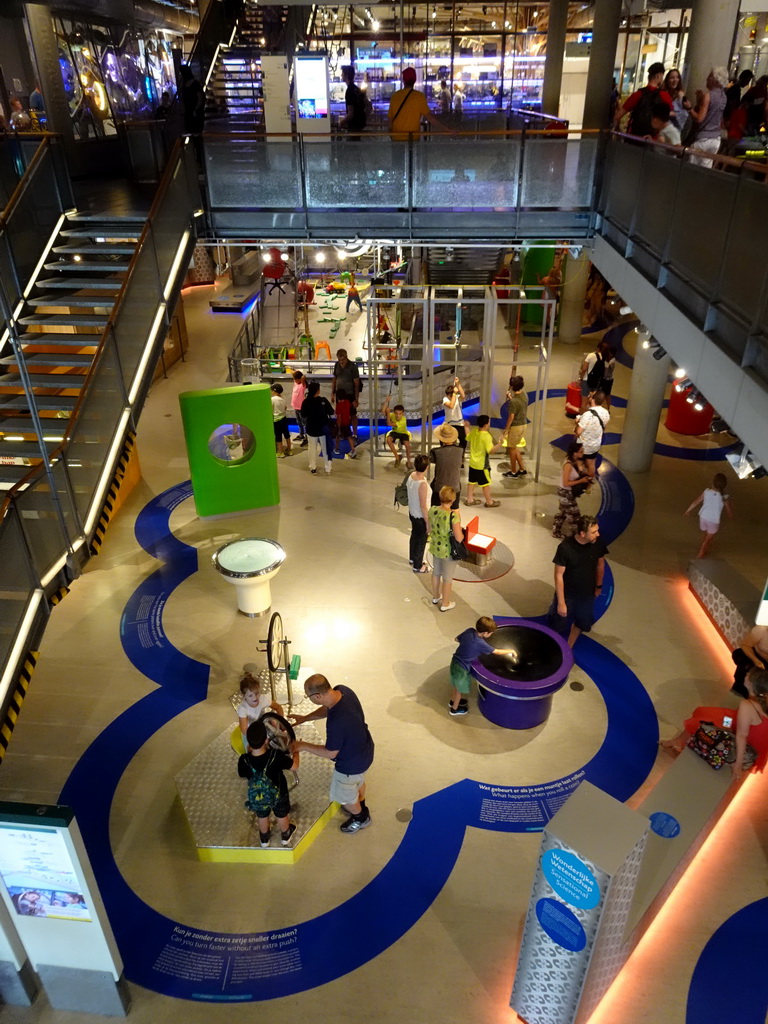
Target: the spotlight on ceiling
(745, 465)
(659, 352)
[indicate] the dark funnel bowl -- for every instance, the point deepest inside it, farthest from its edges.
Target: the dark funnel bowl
(537, 656)
(515, 690)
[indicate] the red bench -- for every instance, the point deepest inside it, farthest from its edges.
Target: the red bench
(479, 545)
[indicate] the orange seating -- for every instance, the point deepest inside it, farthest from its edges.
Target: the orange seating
(479, 545)
(322, 346)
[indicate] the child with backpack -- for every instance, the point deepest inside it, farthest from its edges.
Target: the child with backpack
(265, 768)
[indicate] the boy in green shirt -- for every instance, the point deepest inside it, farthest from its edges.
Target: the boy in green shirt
(481, 446)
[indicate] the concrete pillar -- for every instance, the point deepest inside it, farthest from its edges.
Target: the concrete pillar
(711, 36)
(646, 399)
(553, 69)
(575, 277)
(602, 60)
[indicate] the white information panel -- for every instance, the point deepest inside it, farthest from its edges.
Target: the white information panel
(310, 93)
(277, 94)
(49, 890)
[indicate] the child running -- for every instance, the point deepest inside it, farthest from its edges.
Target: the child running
(712, 500)
(344, 423)
(398, 433)
(265, 768)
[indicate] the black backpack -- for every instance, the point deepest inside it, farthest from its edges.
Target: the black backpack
(595, 375)
(640, 118)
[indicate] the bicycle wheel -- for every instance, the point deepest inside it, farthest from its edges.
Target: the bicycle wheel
(275, 643)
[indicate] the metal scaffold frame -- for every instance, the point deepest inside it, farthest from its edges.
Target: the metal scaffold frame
(398, 364)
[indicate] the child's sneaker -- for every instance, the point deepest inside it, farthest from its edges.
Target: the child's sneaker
(460, 710)
(264, 838)
(285, 837)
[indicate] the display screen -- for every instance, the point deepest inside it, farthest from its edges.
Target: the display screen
(311, 87)
(38, 874)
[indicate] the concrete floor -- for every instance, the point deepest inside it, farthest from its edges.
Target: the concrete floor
(354, 611)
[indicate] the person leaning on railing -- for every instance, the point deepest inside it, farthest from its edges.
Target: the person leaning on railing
(708, 116)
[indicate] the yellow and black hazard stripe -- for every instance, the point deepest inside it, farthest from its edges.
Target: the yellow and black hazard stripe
(17, 699)
(109, 505)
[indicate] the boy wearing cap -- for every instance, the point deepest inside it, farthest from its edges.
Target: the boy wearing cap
(447, 460)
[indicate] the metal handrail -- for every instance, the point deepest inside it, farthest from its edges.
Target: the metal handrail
(58, 452)
(23, 185)
(718, 159)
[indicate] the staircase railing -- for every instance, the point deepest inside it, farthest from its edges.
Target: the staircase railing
(48, 519)
(33, 212)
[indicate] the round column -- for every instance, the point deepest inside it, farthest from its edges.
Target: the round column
(602, 57)
(553, 69)
(575, 277)
(646, 398)
(709, 41)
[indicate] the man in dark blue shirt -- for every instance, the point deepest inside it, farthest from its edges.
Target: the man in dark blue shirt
(348, 743)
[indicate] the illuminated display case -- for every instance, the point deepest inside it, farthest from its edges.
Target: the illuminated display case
(112, 76)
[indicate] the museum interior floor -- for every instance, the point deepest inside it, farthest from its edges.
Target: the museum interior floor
(354, 611)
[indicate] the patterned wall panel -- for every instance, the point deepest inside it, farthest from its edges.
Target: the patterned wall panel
(729, 618)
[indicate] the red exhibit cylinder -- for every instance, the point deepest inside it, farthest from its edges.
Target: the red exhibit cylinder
(684, 418)
(573, 399)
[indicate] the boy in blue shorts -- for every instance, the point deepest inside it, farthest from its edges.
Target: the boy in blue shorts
(472, 643)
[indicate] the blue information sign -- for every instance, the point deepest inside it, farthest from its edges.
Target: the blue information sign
(561, 924)
(571, 878)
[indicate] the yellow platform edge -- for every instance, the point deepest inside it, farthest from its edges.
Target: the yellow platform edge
(272, 855)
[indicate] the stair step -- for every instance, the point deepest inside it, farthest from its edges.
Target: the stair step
(26, 425)
(107, 231)
(88, 268)
(27, 449)
(101, 248)
(44, 380)
(88, 301)
(67, 320)
(50, 403)
(105, 284)
(12, 474)
(106, 218)
(73, 340)
(50, 359)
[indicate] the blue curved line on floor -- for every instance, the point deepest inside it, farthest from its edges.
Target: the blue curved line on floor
(336, 942)
(695, 454)
(730, 982)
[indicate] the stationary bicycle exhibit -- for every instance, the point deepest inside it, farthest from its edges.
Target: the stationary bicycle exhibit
(212, 794)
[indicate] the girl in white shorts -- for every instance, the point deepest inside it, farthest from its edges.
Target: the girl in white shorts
(713, 500)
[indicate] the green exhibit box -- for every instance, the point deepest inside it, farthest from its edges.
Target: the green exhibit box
(231, 448)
